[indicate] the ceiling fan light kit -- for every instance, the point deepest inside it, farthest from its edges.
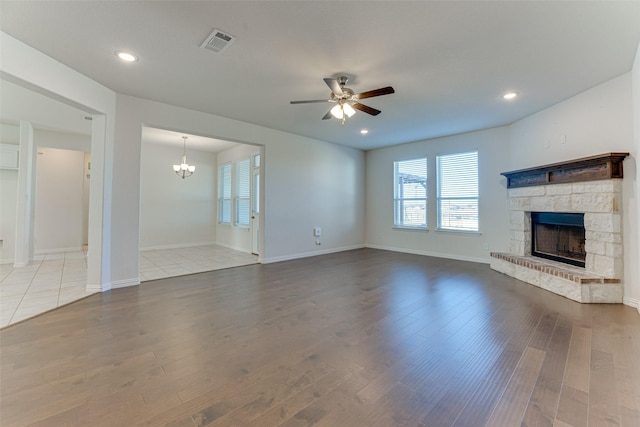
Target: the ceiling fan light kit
(347, 100)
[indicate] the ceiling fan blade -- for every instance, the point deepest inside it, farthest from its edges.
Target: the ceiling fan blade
(365, 109)
(334, 86)
(376, 92)
(327, 116)
(311, 101)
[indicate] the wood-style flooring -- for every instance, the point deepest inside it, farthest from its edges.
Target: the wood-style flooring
(358, 338)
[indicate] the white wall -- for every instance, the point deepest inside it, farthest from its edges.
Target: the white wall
(634, 294)
(307, 183)
(59, 208)
(8, 197)
(176, 212)
(8, 203)
(62, 140)
(53, 232)
(597, 121)
(229, 235)
(493, 156)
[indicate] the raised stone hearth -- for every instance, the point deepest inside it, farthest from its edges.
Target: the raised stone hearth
(571, 282)
(600, 281)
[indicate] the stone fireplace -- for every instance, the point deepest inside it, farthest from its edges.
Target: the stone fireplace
(565, 228)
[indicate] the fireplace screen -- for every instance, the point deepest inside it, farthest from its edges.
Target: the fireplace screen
(558, 236)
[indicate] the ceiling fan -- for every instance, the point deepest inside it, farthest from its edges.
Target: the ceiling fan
(347, 100)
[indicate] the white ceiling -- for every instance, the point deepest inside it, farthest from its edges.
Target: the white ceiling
(448, 61)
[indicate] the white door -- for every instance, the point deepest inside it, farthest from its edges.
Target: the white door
(255, 206)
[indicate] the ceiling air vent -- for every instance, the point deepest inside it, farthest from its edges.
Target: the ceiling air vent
(218, 41)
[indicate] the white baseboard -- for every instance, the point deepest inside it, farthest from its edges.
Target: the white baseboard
(235, 248)
(428, 253)
(177, 246)
(631, 302)
(125, 283)
(99, 288)
(308, 254)
(58, 250)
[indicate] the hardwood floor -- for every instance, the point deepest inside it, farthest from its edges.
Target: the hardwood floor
(358, 338)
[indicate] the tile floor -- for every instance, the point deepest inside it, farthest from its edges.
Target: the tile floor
(157, 264)
(53, 280)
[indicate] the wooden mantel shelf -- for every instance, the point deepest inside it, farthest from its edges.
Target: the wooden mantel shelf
(603, 166)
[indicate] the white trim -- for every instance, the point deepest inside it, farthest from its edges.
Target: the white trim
(308, 254)
(178, 246)
(104, 287)
(235, 248)
(125, 283)
(458, 231)
(58, 250)
(7, 261)
(631, 302)
(428, 253)
(406, 228)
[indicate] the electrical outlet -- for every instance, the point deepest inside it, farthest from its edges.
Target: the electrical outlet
(485, 246)
(317, 231)
(563, 139)
(547, 143)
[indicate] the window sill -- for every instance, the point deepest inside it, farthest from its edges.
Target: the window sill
(398, 227)
(467, 232)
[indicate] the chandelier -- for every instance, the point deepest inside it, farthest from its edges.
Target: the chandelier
(184, 169)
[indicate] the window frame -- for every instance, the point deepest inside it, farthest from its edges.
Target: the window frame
(224, 187)
(399, 200)
(467, 192)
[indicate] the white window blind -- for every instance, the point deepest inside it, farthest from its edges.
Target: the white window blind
(458, 191)
(242, 193)
(224, 194)
(410, 193)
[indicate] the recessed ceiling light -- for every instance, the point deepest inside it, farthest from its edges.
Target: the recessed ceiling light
(364, 131)
(126, 56)
(510, 95)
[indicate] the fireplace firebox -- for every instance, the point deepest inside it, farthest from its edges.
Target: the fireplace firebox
(559, 237)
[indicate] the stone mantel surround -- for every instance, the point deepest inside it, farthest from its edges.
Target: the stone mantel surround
(592, 186)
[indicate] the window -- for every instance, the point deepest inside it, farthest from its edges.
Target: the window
(242, 193)
(410, 193)
(224, 194)
(458, 191)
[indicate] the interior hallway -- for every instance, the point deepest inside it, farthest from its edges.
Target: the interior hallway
(53, 280)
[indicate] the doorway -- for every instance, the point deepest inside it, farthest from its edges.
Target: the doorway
(181, 231)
